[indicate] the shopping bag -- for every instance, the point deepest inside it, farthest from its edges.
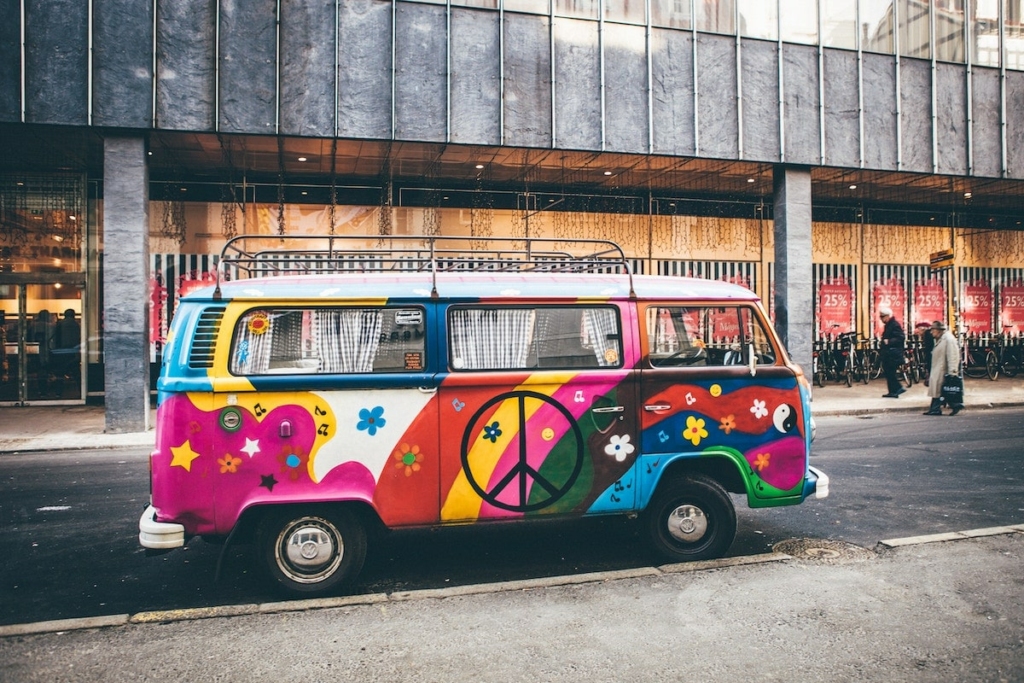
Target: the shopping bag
(953, 390)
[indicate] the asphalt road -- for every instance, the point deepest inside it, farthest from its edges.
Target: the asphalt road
(68, 522)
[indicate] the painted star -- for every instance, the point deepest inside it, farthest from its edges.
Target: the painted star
(183, 456)
(268, 481)
(252, 447)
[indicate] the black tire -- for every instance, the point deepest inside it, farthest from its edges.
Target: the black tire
(992, 365)
(1010, 365)
(691, 518)
(327, 548)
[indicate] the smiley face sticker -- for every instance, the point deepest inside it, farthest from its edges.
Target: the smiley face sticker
(547, 434)
(716, 390)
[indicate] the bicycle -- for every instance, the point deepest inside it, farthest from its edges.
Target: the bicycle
(979, 362)
(1008, 357)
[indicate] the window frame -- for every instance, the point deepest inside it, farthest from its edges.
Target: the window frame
(302, 308)
(449, 329)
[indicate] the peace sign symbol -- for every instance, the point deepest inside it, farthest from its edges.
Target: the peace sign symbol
(522, 473)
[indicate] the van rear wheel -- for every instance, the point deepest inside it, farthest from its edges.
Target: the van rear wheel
(691, 518)
(309, 552)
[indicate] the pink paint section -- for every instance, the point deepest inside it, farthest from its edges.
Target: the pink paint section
(780, 463)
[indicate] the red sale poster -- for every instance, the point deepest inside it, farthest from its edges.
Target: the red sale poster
(929, 302)
(835, 307)
(1011, 308)
(725, 325)
(889, 293)
(976, 308)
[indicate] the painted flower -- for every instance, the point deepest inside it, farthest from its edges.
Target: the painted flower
(728, 424)
(292, 462)
(492, 431)
(695, 430)
(408, 458)
(761, 462)
(758, 409)
(229, 463)
(371, 420)
(620, 447)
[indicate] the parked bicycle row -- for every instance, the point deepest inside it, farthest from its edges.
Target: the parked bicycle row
(850, 359)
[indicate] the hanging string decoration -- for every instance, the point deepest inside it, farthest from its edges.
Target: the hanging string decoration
(331, 213)
(384, 227)
(481, 214)
(432, 211)
(172, 223)
(280, 186)
(228, 199)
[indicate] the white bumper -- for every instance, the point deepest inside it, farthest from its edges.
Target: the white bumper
(821, 486)
(159, 535)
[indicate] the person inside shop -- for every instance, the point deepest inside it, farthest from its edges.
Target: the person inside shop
(41, 334)
(893, 348)
(945, 361)
(67, 340)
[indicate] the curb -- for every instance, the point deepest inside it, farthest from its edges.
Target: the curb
(170, 616)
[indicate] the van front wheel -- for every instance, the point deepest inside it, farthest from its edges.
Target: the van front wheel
(691, 518)
(312, 552)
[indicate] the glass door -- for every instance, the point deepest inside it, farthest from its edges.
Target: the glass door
(42, 342)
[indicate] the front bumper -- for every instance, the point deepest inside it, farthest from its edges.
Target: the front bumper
(159, 535)
(817, 482)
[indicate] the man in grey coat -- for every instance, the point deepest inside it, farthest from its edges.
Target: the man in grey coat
(945, 361)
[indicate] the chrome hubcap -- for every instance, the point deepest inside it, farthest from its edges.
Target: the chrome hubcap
(687, 523)
(309, 550)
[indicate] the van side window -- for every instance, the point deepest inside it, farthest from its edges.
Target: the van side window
(329, 340)
(518, 337)
(706, 335)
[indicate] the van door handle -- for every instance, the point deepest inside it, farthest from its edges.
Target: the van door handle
(653, 407)
(610, 409)
(427, 390)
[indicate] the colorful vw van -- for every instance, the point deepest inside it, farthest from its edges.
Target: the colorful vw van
(420, 383)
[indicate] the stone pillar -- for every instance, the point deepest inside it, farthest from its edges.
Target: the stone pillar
(125, 284)
(794, 283)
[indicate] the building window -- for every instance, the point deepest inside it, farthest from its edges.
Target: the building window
(949, 30)
(799, 21)
(671, 13)
(759, 19)
(915, 29)
(985, 33)
(716, 16)
(876, 26)
(839, 24)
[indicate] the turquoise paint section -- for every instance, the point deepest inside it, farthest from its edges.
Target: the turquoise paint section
(619, 497)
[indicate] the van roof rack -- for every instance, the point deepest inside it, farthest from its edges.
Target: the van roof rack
(247, 256)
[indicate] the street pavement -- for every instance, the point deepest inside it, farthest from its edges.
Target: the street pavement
(45, 428)
(944, 607)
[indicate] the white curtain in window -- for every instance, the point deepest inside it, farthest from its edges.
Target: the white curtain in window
(348, 339)
(252, 350)
(603, 333)
(491, 339)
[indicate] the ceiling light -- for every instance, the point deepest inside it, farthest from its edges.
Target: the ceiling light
(479, 166)
(56, 285)
(303, 159)
(304, 193)
(74, 218)
(967, 195)
(57, 238)
(853, 187)
(445, 197)
(750, 180)
(607, 172)
(149, 154)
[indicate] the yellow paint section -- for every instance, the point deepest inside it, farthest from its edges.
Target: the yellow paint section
(260, 405)
(462, 501)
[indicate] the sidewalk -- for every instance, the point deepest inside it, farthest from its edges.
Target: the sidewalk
(38, 428)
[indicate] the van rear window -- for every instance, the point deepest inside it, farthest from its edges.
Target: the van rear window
(285, 341)
(524, 337)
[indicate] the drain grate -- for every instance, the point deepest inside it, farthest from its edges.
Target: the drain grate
(822, 550)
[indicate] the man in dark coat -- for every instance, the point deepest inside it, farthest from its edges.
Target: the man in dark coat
(893, 348)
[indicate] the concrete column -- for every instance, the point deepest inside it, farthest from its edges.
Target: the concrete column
(125, 284)
(794, 284)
